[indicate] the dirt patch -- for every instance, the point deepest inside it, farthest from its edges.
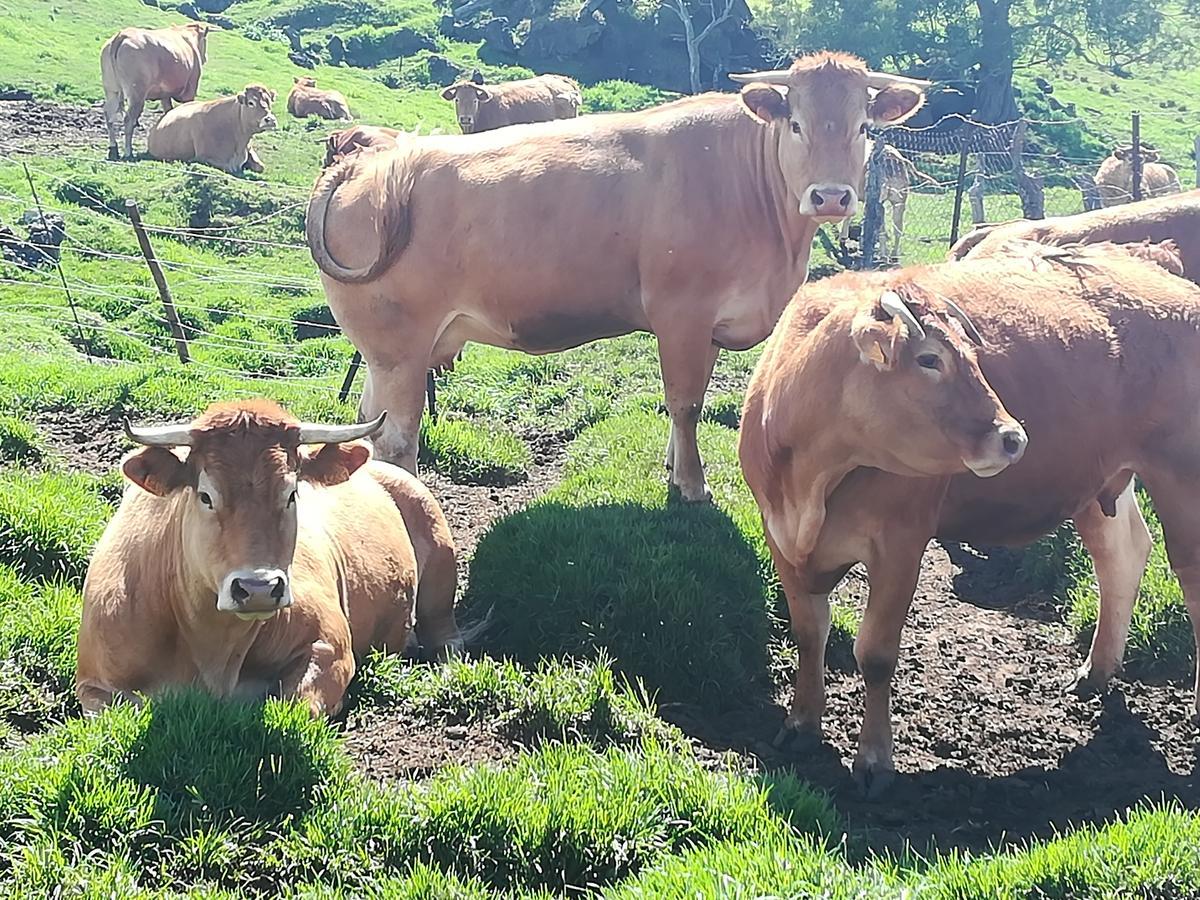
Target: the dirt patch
(393, 745)
(34, 124)
(81, 441)
(991, 747)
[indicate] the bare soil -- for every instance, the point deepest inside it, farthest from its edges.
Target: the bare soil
(37, 124)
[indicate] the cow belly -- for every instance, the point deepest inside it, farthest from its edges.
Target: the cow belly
(1004, 512)
(561, 330)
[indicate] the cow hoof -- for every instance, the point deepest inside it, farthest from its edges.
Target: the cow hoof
(113, 154)
(1088, 683)
(873, 780)
(798, 737)
(677, 494)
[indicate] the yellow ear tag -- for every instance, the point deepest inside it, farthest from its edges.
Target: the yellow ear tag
(875, 354)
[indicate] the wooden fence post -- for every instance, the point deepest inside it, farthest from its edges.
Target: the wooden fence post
(975, 195)
(1137, 155)
(356, 362)
(1029, 187)
(873, 215)
(1091, 192)
(959, 183)
(1196, 158)
(164, 293)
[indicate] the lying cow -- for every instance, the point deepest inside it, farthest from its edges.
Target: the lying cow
(692, 220)
(1175, 217)
(1095, 351)
(248, 564)
(482, 107)
(1114, 178)
(341, 144)
(140, 64)
(216, 132)
(306, 99)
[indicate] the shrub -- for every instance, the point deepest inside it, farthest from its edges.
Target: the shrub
(471, 454)
(621, 96)
(49, 522)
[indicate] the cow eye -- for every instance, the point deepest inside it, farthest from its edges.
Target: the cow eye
(929, 361)
(795, 127)
(206, 499)
(292, 499)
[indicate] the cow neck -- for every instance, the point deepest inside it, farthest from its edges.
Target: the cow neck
(775, 204)
(217, 643)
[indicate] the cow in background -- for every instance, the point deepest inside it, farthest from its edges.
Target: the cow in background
(1114, 178)
(480, 107)
(306, 99)
(140, 64)
(216, 132)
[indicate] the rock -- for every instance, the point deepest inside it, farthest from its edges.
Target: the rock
(367, 51)
(212, 6)
(15, 94)
(1043, 85)
(306, 59)
(442, 72)
(337, 49)
(42, 245)
(498, 36)
(188, 9)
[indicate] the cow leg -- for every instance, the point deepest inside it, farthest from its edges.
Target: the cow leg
(809, 614)
(893, 574)
(167, 105)
(113, 103)
(321, 675)
(133, 112)
(687, 361)
(400, 390)
(898, 225)
(1119, 546)
(253, 163)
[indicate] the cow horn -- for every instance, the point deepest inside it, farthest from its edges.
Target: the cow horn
(337, 434)
(893, 305)
(881, 80)
(775, 76)
(160, 435)
(964, 320)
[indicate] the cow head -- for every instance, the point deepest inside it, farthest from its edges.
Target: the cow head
(254, 108)
(1125, 154)
(304, 81)
(239, 473)
(818, 111)
(923, 393)
(467, 97)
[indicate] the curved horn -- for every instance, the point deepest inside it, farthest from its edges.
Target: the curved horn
(775, 76)
(880, 80)
(160, 435)
(964, 320)
(893, 305)
(337, 434)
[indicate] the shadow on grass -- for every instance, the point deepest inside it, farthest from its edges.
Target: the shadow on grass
(673, 594)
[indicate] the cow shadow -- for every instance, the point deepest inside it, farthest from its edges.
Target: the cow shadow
(674, 594)
(1014, 580)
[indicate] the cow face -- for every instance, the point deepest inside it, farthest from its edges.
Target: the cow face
(923, 395)
(819, 111)
(306, 81)
(467, 99)
(237, 490)
(254, 108)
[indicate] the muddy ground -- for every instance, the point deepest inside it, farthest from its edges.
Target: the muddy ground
(991, 747)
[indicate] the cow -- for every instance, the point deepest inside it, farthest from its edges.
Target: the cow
(140, 64)
(880, 416)
(342, 143)
(216, 132)
(245, 562)
(897, 171)
(1174, 217)
(480, 107)
(306, 99)
(693, 221)
(1114, 178)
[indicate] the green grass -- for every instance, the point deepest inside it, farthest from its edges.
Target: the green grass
(19, 441)
(474, 454)
(49, 522)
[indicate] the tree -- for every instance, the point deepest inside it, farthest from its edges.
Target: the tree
(687, 11)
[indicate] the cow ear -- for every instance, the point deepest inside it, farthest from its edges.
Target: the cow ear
(334, 463)
(241, 98)
(765, 102)
(483, 94)
(878, 342)
(450, 92)
(894, 104)
(156, 470)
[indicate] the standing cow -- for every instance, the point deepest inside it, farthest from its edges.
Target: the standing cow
(481, 107)
(306, 99)
(877, 391)
(216, 132)
(692, 220)
(139, 64)
(248, 564)
(1114, 178)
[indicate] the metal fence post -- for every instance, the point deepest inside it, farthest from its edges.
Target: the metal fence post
(1196, 158)
(1137, 155)
(959, 186)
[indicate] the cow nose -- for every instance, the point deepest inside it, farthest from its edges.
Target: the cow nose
(258, 592)
(1013, 440)
(834, 200)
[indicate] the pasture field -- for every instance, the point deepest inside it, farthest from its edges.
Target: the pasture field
(611, 732)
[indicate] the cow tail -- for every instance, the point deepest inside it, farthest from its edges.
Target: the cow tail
(108, 64)
(391, 228)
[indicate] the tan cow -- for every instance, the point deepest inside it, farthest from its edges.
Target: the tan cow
(1114, 178)
(1175, 217)
(1095, 351)
(341, 144)
(306, 99)
(482, 107)
(898, 172)
(216, 132)
(251, 565)
(140, 64)
(692, 220)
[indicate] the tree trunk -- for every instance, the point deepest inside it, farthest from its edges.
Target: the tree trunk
(694, 66)
(994, 100)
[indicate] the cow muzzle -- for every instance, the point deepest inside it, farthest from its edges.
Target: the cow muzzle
(466, 125)
(270, 123)
(829, 202)
(255, 593)
(1001, 448)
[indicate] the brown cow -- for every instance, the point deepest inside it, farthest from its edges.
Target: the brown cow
(1114, 178)
(341, 144)
(692, 220)
(250, 565)
(1094, 350)
(306, 99)
(483, 107)
(140, 64)
(216, 132)
(1174, 217)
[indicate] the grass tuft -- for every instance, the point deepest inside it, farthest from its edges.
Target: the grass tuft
(19, 441)
(49, 522)
(468, 453)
